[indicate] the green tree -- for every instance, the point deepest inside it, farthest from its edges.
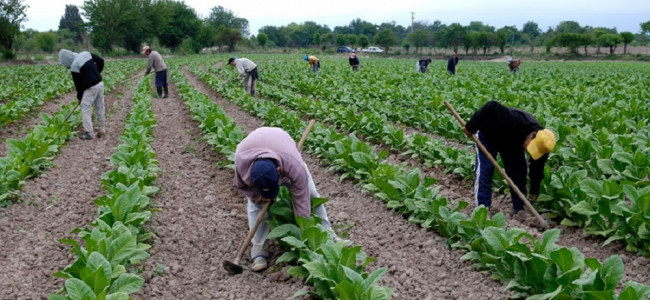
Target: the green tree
(125, 23)
(627, 38)
(645, 27)
(531, 29)
(386, 38)
(569, 27)
(71, 20)
(406, 46)
(501, 39)
(262, 39)
(569, 40)
(276, 35)
(340, 39)
(610, 40)
(12, 14)
(454, 36)
(352, 39)
(418, 39)
(327, 39)
(485, 40)
(206, 37)
(317, 39)
(586, 39)
(182, 23)
(220, 16)
(45, 41)
(363, 41)
(228, 36)
(471, 41)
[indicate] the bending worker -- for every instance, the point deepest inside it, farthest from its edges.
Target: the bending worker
(423, 65)
(249, 68)
(86, 69)
(513, 65)
(508, 131)
(264, 160)
(314, 62)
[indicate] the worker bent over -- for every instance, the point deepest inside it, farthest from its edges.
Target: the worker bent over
(86, 71)
(314, 62)
(247, 68)
(513, 65)
(508, 131)
(264, 160)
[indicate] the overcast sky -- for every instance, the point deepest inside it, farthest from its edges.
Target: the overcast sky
(625, 15)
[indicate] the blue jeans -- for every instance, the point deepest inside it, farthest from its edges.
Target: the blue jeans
(515, 166)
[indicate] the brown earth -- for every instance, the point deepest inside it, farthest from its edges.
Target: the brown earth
(53, 204)
(203, 222)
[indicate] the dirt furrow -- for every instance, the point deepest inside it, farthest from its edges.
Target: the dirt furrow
(202, 222)
(419, 265)
(58, 201)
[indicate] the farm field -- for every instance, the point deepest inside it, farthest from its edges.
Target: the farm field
(391, 160)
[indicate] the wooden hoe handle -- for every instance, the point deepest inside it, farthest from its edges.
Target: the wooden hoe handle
(496, 165)
(266, 206)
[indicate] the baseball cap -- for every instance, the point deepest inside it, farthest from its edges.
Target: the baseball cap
(543, 143)
(144, 49)
(265, 176)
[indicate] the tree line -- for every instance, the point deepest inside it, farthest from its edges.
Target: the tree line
(127, 24)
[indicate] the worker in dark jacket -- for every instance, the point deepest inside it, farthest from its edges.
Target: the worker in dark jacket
(508, 131)
(86, 71)
(423, 64)
(354, 61)
(451, 64)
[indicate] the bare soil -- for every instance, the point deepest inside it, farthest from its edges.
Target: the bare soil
(53, 204)
(203, 221)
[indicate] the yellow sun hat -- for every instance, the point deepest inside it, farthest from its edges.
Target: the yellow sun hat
(543, 143)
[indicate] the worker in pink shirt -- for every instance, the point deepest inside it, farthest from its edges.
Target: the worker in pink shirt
(264, 160)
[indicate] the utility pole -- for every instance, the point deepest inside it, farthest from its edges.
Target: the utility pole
(412, 20)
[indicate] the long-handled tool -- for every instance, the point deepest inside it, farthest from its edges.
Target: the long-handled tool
(542, 223)
(70, 113)
(234, 267)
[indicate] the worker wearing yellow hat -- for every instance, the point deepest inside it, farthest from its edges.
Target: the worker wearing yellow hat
(508, 131)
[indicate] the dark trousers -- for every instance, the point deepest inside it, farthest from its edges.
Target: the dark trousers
(515, 166)
(161, 78)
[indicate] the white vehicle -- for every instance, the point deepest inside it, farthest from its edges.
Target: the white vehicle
(373, 50)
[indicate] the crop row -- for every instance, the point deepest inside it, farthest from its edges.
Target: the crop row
(373, 126)
(531, 266)
(33, 86)
(586, 163)
(29, 156)
(116, 238)
(336, 271)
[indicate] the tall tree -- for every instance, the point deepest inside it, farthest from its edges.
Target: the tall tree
(532, 30)
(71, 20)
(262, 39)
(454, 36)
(221, 16)
(182, 23)
(386, 38)
(228, 36)
(610, 40)
(12, 14)
(569, 27)
(125, 23)
(627, 38)
(363, 41)
(418, 39)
